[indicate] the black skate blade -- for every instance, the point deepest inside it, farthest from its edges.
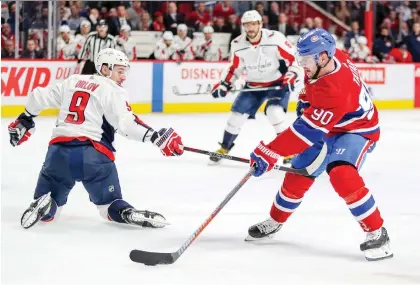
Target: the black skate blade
(151, 258)
(252, 239)
(380, 258)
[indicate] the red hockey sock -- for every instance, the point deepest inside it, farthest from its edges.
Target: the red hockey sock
(290, 196)
(350, 186)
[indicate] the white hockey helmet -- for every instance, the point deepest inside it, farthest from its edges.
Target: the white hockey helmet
(208, 29)
(168, 36)
(251, 16)
(182, 27)
(110, 57)
(64, 29)
(125, 27)
(85, 23)
(362, 40)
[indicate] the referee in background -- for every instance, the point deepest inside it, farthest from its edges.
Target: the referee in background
(95, 42)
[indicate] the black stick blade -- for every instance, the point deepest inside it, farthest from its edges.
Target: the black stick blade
(151, 258)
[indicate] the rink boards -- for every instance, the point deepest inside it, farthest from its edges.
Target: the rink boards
(156, 86)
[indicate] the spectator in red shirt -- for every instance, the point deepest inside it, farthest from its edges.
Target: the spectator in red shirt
(400, 54)
(200, 17)
(223, 10)
(6, 34)
(158, 24)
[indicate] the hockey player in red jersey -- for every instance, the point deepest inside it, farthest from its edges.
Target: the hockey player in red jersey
(335, 113)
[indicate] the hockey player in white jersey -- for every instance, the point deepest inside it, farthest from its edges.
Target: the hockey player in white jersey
(66, 44)
(184, 45)
(80, 39)
(165, 47)
(207, 49)
(268, 60)
(125, 44)
(92, 108)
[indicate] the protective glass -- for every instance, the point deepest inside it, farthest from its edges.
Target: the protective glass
(307, 61)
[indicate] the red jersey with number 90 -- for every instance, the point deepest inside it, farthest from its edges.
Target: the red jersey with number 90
(339, 102)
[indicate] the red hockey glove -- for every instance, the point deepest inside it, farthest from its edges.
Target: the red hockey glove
(168, 141)
(263, 159)
(21, 129)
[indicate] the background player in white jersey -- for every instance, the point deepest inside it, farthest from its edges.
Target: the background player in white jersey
(66, 44)
(165, 47)
(124, 43)
(92, 109)
(268, 59)
(85, 27)
(183, 43)
(207, 49)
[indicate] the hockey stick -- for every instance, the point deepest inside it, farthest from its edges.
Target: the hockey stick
(177, 93)
(302, 171)
(154, 258)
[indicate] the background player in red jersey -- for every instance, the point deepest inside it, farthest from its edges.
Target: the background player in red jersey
(336, 114)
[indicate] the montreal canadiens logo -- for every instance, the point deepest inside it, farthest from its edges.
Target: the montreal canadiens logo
(314, 38)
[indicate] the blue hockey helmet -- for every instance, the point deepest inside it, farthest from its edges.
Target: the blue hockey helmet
(313, 43)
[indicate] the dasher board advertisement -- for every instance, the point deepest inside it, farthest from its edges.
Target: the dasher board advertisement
(19, 78)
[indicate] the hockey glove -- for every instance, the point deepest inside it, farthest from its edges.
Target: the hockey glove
(220, 89)
(168, 141)
(263, 159)
(21, 129)
(301, 106)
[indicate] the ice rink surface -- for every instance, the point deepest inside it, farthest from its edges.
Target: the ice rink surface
(318, 245)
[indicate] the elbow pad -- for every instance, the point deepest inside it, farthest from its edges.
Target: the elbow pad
(130, 128)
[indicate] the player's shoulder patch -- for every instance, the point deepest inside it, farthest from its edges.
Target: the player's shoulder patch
(271, 33)
(275, 37)
(238, 39)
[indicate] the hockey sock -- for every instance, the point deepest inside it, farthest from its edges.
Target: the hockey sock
(228, 140)
(350, 186)
(115, 208)
(290, 196)
(51, 214)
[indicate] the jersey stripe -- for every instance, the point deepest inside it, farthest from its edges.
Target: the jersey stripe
(305, 130)
(351, 117)
(284, 54)
(232, 69)
(299, 135)
(313, 125)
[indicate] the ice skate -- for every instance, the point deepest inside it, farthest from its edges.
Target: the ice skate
(38, 209)
(263, 230)
(376, 245)
(215, 159)
(145, 218)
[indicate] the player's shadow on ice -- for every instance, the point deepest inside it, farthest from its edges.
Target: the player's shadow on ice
(308, 250)
(283, 248)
